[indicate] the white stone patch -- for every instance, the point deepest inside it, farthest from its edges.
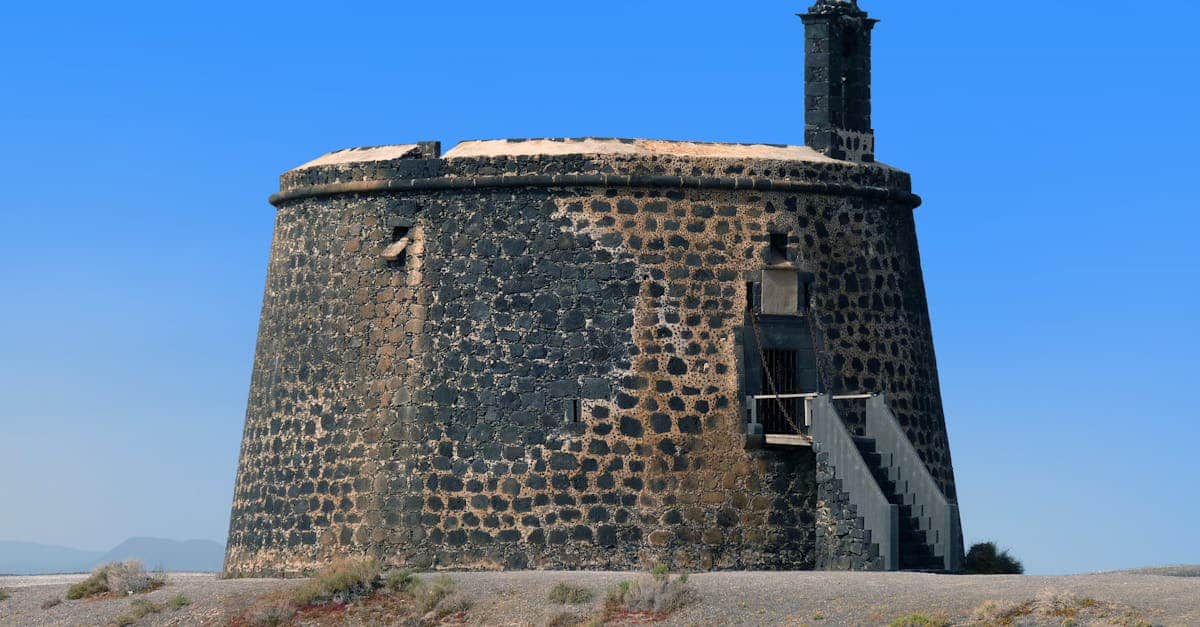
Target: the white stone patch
(635, 147)
(362, 155)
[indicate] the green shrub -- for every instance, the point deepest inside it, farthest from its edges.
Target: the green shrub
(985, 559)
(441, 597)
(178, 602)
(918, 620)
(401, 581)
(340, 582)
(95, 584)
(570, 594)
(4, 595)
(616, 594)
(138, 610)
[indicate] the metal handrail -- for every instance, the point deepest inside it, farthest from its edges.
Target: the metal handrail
(752, 402)
(843, 397)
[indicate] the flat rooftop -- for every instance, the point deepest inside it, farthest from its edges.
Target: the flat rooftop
(493, 148)
(635, 147)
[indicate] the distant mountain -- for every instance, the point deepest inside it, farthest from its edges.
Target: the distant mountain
(173, 555)
(31, 558)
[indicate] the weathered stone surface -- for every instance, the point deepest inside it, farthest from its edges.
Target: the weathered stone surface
(401, 410)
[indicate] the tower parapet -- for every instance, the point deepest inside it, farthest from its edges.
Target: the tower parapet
(837, 80)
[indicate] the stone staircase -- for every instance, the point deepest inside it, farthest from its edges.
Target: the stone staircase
(890, 493)
(915, 551)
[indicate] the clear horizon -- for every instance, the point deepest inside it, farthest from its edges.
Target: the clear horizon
(1051, 148)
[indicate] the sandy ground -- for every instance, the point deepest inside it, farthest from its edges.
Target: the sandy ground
(731, 598)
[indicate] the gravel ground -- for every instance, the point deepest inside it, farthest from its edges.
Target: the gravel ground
(730, 598)
(211, 598)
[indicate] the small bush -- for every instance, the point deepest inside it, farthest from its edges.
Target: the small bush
(131, 578)
(616, 594)
(95, 584)
(992, 613)
(118, 577)
(918, 620)
(138, 610)
(660, 595)
(178, 602)
(453, 603)
(340, 582)
(570, 594)
(271, 615)
(985, 559)
(660, 572)
(565, 619)
(441, 597)
(401, 581)
(4, 595)
(51, 602)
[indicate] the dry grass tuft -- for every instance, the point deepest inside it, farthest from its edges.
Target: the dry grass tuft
(130, 577)
(441, 597)
(270, 614)
(566, 619)
(649, 599)
(1056, 606)
(5, 595)
(51, 602)
(341, 582)
(918, 620)
(138, 610)
(570, 594)
(401, 581)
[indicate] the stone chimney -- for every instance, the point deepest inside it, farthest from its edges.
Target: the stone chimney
(837, 80)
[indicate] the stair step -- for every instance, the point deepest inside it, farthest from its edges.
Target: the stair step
(865, 445)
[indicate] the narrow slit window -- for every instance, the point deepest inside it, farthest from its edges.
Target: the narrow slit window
(779, 247)
(571, 411)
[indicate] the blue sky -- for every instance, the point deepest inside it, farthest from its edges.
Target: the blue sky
(1052, 147)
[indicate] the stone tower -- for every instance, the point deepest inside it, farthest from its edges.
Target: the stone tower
(837, 80)
(602, 353)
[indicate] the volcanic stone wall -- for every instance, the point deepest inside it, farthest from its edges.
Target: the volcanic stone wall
(550, 378)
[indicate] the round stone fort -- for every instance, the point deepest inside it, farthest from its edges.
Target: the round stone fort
(553, 354)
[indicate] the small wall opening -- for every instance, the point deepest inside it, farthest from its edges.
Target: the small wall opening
(397, 252)
(571, 411)
(779, 248)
